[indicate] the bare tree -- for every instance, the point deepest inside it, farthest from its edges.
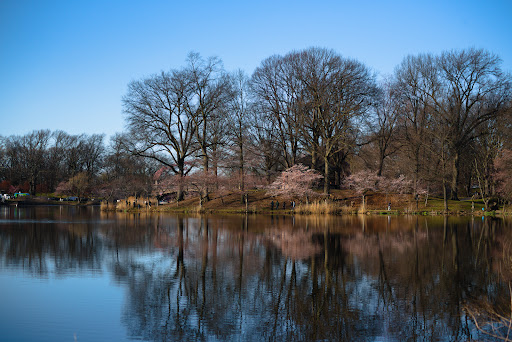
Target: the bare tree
(335, 92)
(26, 156)
(239, 123)
(415, 84)
(475, 90)
(161, 125)
(93, 153)
(383, 124)
(273, 86)
(261, 144)
(218, 139)
(312, 98)
(123, 173)
(210, 92)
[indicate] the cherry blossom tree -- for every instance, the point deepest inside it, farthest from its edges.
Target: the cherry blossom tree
(77, 185)
(200, 182)
(363, 182)
(296, 181)
(423, 191)
(401, 185)
(166, 182)
(63, 188)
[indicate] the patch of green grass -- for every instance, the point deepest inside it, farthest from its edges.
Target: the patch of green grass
(437, 204)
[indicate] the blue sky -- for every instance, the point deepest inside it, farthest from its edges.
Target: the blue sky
(66, 64)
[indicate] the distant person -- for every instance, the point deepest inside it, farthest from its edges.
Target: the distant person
(272, 205)
(277, 204)
(389, 206)
(284, 205)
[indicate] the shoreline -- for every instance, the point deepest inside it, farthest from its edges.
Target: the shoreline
(370, 212)
(260, 203)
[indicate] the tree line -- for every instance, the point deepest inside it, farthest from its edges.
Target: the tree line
(45, 162)
(443, 121)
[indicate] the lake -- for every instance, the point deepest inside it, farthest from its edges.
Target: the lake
(78, 274)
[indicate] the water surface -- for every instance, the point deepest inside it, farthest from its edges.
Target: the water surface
(75, 273)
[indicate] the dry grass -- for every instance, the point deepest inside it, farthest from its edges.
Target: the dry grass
(104, 206)
(317, 207)
(130, 203)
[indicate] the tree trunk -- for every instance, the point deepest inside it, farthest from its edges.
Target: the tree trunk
(32, 187)
(455, 177)
(241, 168)
(181, 169)
(215, 166)
(445, 199)
(205, 192)
(32, 183)
(326, 176)
(381, 164)
(416, 169)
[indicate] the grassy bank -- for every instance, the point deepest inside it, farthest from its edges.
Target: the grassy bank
(339, 202)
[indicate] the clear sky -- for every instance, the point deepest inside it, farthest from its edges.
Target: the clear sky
(66, 64)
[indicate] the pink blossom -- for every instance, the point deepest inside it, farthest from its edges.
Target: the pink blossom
(296, 181)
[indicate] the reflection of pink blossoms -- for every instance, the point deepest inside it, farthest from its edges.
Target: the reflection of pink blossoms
(296, 181)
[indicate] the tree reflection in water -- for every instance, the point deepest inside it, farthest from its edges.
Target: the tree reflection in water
(284, 278)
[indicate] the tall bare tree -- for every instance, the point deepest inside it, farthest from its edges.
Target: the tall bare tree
(160, 122)
(274, 87)
(312, 98)
(475, 90)
(262, 143)
(26, 156)
(239, 123)
(416, 84)
(335, 92)
(383, 124)
(210, 93)
(93, 153)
